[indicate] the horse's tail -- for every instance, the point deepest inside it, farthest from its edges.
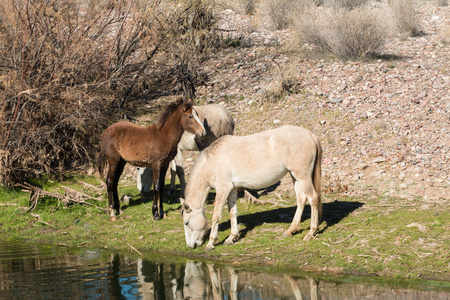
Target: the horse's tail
(101, 162)
(317, 175)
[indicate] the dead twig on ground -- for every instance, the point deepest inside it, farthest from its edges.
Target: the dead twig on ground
(249, 198)
(134, 249)
(91, 187)
(36, 193)
(79, 195)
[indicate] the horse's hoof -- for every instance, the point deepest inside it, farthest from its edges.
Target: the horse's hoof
(308, 237)
(158, 217)
(113, 218)
(286, 235)
(228, 243)
(209, 248)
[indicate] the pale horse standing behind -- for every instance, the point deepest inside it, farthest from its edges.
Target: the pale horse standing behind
(255, 161)
(217, 122)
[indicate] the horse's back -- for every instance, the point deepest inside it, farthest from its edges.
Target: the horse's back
(126, 139)
(218, 117)
(261, 159)
(285, 139)
(218, 122)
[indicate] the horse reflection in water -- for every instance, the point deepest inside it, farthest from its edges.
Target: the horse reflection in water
(217, 284)
(198, 280)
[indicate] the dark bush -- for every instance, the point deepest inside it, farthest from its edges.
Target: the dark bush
(68, 69)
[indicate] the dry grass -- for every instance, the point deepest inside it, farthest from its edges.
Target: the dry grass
(282, 12)
(406, 18)
(445, 33)
(247, 6)
(347, 4)
(346, 33)
(441, 2)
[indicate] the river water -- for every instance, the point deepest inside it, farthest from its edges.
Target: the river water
(30, 271)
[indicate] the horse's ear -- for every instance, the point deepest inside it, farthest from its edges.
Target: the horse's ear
(188, 104)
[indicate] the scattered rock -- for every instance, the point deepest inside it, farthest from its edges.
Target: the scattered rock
(378, 160)
(419, 226)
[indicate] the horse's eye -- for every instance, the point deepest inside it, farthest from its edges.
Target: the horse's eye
(190, 117)
(186, 223)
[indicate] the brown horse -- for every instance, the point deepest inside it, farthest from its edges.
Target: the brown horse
(152, 146)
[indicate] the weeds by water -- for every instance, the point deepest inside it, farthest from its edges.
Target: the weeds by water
(376, 236)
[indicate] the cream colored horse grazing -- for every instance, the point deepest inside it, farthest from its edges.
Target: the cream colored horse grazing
(255, 161)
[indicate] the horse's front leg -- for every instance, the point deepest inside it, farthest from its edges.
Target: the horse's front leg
(176, 169)
(232, 208)
(155, 207)
(221, 197)
(158, 184)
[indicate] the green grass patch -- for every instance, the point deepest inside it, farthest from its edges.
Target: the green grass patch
(377, 236)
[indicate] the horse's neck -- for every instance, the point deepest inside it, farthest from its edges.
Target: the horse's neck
(172, 130)
(197, 188)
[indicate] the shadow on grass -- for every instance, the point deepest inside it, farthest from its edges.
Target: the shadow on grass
(333, 213)
(147, 198)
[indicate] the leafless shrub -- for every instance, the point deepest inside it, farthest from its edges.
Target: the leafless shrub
(347, 4)
(445, 33)
(281, 12)
(68, 68)
(247, 6)
(442, 2)
(405, 15)
(287, 82)
(346, 33)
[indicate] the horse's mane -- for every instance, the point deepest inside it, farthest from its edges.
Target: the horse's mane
(169, 109)
(215, 146)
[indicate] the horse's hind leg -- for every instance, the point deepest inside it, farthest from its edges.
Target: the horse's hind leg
(305, 190)
(232, 208)
(114, 172)
(159, 174)
(119, 171)
(176, 169)
(301, 200)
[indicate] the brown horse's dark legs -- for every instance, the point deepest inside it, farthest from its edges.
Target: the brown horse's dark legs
(156, 195)
(162, 176)
(158, 191)
(119, 171)
(114, 172)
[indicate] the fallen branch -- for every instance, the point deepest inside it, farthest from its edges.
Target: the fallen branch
(8, 204)
(96, 189)
(36, 193)
(78, 195)
(134, 249)
(38, 217)
(343, 240)
(250, 198)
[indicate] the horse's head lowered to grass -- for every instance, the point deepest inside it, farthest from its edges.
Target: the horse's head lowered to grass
(195, 224)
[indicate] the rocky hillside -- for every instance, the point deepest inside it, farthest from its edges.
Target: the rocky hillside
(384, 123)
